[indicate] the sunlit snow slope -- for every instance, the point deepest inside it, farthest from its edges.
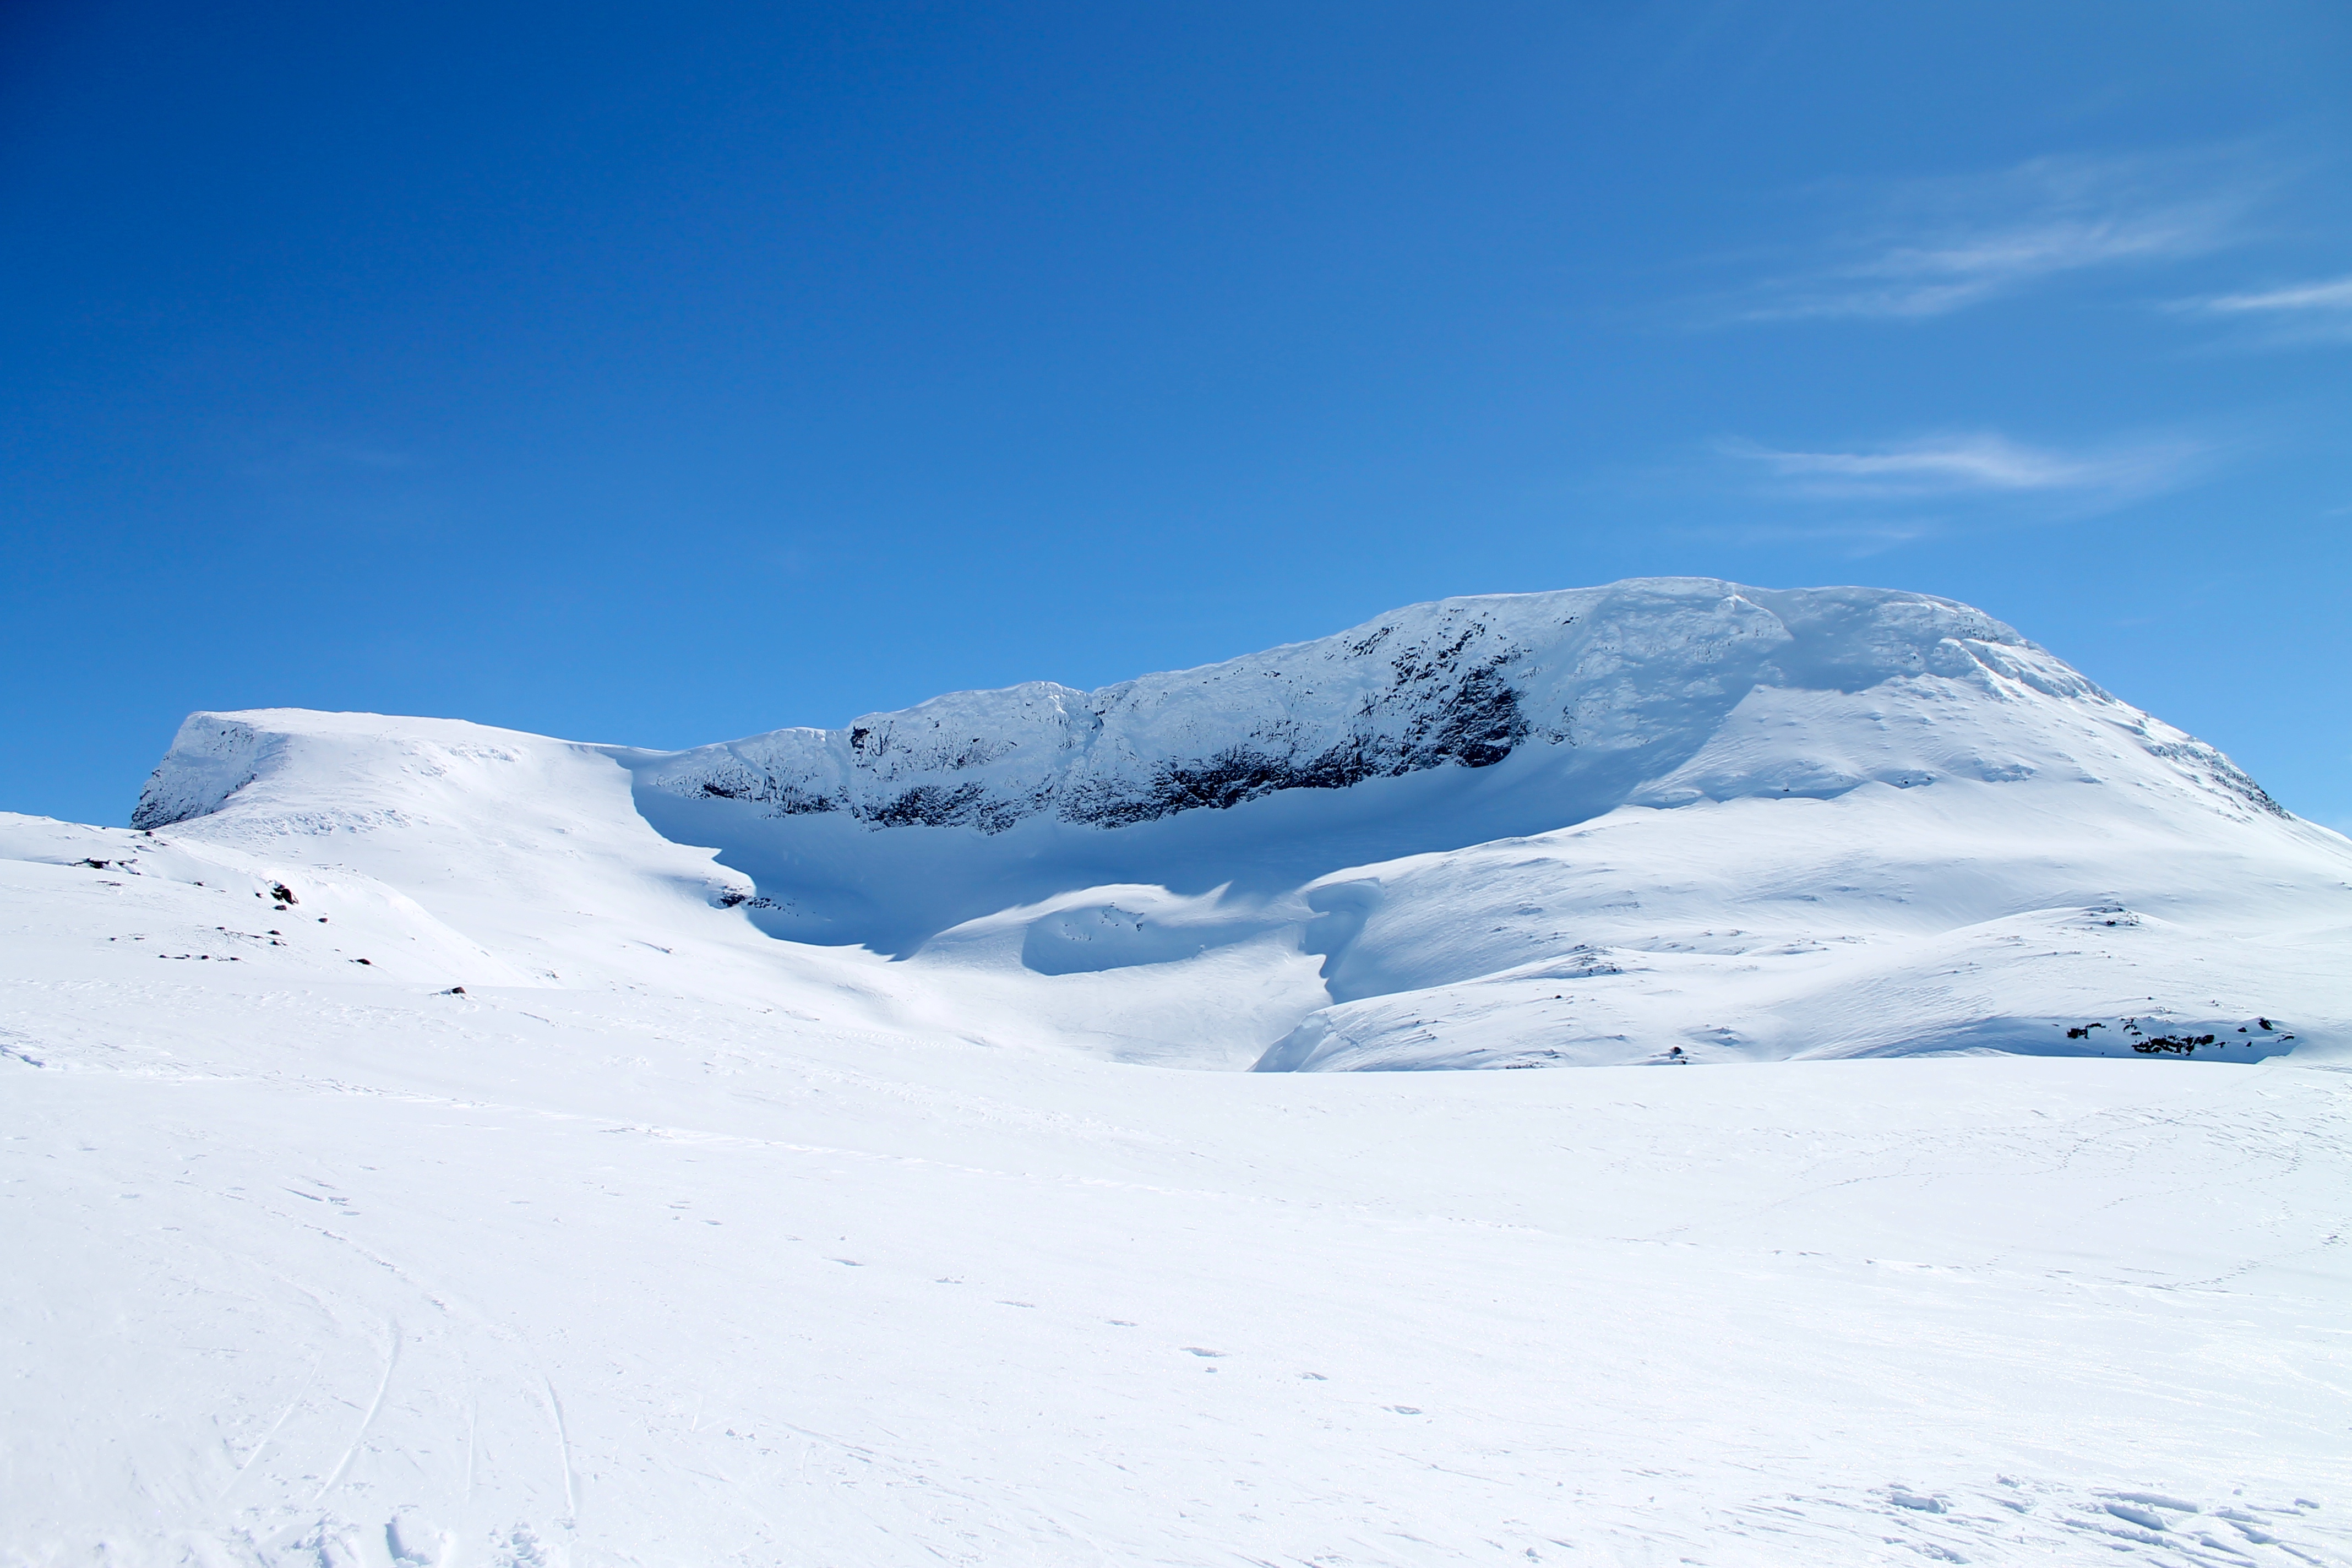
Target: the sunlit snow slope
(423, 1143)
(1610, 824)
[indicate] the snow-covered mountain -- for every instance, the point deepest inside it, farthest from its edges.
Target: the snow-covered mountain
(1666, 818)
(1610, 692)
(418, 1147)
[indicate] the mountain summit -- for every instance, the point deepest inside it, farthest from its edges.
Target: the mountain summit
(1611, 688)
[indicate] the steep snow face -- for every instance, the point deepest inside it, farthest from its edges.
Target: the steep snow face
(1619, 683)
(1436, 727)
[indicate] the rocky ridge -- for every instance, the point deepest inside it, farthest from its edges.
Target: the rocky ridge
(1625, 679)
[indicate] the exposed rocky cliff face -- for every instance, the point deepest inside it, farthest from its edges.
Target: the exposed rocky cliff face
(1637, 672)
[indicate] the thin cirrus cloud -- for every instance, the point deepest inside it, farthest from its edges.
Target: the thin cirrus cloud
(1931, 247)
(1948, 467)
(2307, 312)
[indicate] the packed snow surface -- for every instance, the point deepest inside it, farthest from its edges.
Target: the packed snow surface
(798, 1151)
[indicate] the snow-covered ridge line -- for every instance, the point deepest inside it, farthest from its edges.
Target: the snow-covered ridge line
(1616, 683)
(1577, 828)
(1645, 668)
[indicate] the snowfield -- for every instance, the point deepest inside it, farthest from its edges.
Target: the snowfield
(428, 1144)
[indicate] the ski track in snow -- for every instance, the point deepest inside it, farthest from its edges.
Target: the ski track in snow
(391, 1363)
(585, 1223)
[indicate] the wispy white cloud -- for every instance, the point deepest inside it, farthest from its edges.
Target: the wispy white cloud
(2334, 295)
(2300, 312)
(1972, 464)
(1931, 248)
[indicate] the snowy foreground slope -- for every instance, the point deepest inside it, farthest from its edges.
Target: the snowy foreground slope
(419, 1148)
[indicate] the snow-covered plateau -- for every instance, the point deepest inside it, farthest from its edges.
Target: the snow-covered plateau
(834, 1147)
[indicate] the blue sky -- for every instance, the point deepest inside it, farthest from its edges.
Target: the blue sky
(666, 374)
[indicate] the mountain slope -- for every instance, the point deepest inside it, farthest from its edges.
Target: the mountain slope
(1619, 684)
(1673, 819)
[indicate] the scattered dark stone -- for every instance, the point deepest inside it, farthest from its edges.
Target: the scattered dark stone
(2167, 1045)
(931, 806)
(1479, 725)
(1461, 708)
(1476, 725)
(282, 893)
(790, 802)
(2220, 772)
